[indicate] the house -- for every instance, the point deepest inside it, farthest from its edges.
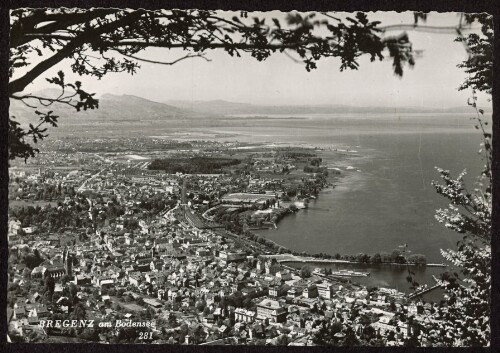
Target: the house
(38, 272)
(135, 278)
(28, 230)
(14, 226)
(284, 276)
(153, 302)
(172, 294)
(151, 277)
(38, 310)
(20, 313)
(156, 265)
(209, 319)
(82, 279)
(224, 330)
(244, 315)
(36, 296)
(272, 310)
(202, 252)
(247, 291)
(325, 290)
(383, 325)
(210, 298)
(272, 267)
(228, 257)
(414, 309)
(106, 282)
(33, 320)
(260, 265)
(310, 291)
(294, 292)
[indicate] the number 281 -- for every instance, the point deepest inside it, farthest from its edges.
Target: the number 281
(145, 335)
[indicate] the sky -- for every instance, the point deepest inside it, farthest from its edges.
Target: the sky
(433, 81)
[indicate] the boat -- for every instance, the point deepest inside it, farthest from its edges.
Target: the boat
(300, 204)
(349, 273)
(318, 271)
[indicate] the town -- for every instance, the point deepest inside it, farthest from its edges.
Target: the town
(161, 232)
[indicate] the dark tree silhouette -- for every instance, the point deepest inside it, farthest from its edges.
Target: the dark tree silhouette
(468, 290)
(101, 41)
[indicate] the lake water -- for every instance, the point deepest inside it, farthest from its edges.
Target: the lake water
(390, 201)
(387, 276)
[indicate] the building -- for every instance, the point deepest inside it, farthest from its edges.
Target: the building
(54, 271)
(273, 291)
(284, 275)
(14, 226)
(135, 279)
(228, 257)
(271, 310)
(261, 265)
(82, 279)
(325, 290)
(153, 303)
(38, 272)
(246, 199)
(68, 262)
(243, 315)
(310, 291)
(294, 292)
(272, 267)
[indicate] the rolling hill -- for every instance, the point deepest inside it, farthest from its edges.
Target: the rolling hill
(112, 108)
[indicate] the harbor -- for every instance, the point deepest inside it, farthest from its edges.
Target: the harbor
(284, 258)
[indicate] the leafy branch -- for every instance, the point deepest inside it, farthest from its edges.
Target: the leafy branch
(42, 38)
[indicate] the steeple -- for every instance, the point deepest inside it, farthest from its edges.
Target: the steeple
(68, 262)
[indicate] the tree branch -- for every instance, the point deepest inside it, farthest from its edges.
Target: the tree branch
(22, 100)
(20, 84)
(291, 57)
(48, 36)
(188, 56)
(65, 100)
(241, 46)
(421, 28)
(56, 23)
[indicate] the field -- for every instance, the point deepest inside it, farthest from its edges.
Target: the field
(195, 165)
(245, 197)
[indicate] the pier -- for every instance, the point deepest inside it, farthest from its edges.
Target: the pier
(438, 284)
(422, 292)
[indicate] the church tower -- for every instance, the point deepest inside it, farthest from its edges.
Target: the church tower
(153, 252)
(68, 262)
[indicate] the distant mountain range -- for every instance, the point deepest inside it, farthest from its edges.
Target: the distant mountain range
(111, 108)
(221, 107)
(128, 108)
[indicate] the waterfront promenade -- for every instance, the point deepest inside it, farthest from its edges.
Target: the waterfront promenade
(309, 259)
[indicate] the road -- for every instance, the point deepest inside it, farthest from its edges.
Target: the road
(82, 187)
